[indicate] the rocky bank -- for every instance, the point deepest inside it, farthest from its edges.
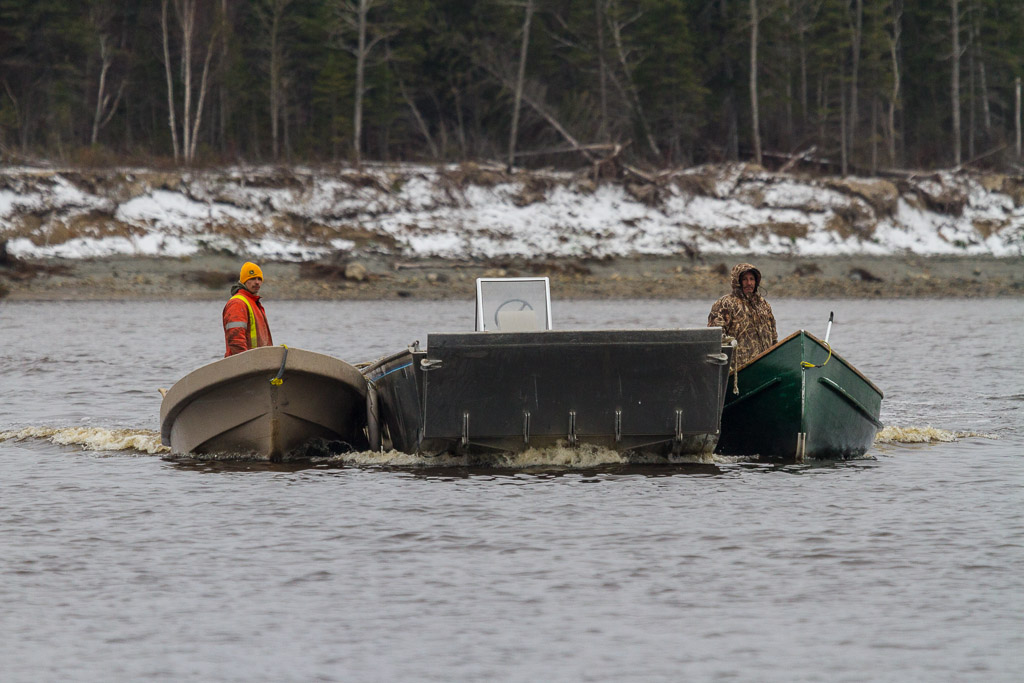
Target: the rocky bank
(208, 277)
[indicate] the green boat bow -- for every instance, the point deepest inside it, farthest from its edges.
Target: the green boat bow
(800, 400)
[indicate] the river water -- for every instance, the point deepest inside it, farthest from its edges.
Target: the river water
(120, 563)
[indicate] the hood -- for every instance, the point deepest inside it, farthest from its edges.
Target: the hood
(239, 287)
(737, 271)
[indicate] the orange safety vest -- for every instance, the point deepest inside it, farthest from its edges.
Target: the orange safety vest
(252, 319)
(256, 322)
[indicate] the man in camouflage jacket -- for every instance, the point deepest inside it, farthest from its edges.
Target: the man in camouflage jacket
(745, 315)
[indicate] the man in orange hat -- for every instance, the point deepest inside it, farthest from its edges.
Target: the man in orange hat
(245, 321)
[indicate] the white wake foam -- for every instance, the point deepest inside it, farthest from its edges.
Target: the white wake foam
(93, 438)
(928, 434)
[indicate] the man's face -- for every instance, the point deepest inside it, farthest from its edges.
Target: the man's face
(748, 282)
(253, 284)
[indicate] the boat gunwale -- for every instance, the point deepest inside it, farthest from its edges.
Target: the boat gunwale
(820, 343)
(652, 337)
(216, 373)
(369, 366)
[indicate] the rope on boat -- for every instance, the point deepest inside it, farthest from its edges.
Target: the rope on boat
(277, 381)
(804, 364)
(734, 367)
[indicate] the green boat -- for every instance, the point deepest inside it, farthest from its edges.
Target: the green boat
(800, 400)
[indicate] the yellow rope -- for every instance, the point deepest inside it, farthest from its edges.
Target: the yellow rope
(277, 381)
(805, 364)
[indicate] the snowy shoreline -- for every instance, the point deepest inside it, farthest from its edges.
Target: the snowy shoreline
(413, 230)
(469, 211)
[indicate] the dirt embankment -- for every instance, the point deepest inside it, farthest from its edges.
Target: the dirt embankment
(209, 277)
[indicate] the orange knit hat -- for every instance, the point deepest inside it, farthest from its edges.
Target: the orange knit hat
(249, 271)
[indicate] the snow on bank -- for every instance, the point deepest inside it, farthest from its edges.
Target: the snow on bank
(463, 212)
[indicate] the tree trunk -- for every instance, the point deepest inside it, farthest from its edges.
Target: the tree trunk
(856, 38)
(1016, 113)
(283, 116)
(276, 59)
(186, 11)
(102, 98)
(954, 86)
(460, 121)
(203, 86)
(874, 135)
(170, 81)
(788, 79)
(821, 99)
(520, 78)
(844, 153)
(420, 122)
(634, 96)
(602, 69)
(536, 104)
(361, 50)
(223, 90)
(803, 71)
(754, 114)
(972, 103)
(986, 112)
(894, 43)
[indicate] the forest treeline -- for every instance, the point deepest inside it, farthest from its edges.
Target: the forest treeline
(859, 85)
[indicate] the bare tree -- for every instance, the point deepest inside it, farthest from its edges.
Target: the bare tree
(754, 113)
(533, 96)
(874, 134)
(19, 117)
(170, 81)
(1016, 115)
(972, 91)
(223, 93)
(410, 101)
(101, 15)
(272, 19)
(617, 24)
(105, 109)
(956, 52)
(186, 13)
(577, 37)
(354, 15)
(894, 98)
(986, 111)
(856, 37)
(844, 152)
(421, 123)
(602, 67)
(520, 79)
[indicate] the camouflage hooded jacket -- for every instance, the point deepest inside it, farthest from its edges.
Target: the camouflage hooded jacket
(748, 318)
